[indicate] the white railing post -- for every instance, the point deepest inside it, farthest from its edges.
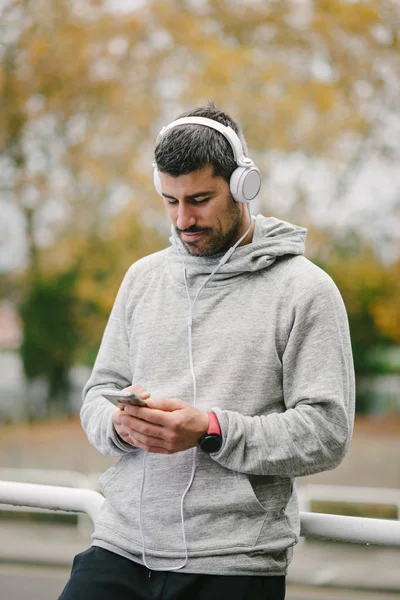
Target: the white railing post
(57, 477)
(356, 530)
(51, 497)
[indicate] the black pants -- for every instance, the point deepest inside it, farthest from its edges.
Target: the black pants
(98, 574)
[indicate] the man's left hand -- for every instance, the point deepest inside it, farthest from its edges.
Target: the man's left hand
(167, 426)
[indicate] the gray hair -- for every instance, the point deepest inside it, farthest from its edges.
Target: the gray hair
(187, 148)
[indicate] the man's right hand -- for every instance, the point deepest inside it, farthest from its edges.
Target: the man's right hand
(121, 421)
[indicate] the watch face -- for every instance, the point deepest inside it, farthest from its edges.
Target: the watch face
(211, 442)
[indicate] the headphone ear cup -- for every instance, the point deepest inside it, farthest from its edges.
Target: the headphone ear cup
(157, 182)
(245, 183)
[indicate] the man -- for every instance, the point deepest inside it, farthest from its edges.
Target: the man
(240, 347)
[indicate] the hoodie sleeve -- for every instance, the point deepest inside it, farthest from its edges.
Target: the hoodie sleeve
(111, 370)
(313, 432)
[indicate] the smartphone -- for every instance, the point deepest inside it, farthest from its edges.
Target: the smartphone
(123, 397)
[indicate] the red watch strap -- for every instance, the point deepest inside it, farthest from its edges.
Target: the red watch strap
(213, 424)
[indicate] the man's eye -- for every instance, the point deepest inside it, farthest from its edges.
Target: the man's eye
(170, 201)
(202, 201)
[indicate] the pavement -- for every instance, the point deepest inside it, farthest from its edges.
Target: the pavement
(315, 563)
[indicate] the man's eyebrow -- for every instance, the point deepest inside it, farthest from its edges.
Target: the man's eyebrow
(191, 196)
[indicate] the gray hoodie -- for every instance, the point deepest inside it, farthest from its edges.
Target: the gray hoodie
(272, 358)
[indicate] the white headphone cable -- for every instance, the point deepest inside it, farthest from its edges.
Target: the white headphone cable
(223, 260)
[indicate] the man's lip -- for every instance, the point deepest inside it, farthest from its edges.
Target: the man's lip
(191, 237)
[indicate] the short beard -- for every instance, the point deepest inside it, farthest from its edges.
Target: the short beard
(218, 241)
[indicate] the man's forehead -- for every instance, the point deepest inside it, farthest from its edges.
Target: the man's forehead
(200, 182)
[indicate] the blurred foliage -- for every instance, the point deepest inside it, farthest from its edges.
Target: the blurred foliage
(371, 293)
(50, 333)
(25, 517)
(101, 262)
(367, 510)
(84, 89)
(64, 309)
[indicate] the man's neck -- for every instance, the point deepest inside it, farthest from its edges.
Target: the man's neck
(249, 237)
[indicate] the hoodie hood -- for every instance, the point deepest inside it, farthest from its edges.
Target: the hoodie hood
(272, 238)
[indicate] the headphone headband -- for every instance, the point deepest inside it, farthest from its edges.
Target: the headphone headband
(227, 132)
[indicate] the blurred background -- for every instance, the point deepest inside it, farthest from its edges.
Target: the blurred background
(85, 86)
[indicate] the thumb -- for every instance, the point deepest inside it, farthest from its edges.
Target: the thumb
(166, 404)
(137, 389)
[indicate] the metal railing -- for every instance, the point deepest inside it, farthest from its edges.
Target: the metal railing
(51, 497)
(61, 477)
(346, 493)
(357, 530)
(67, 478)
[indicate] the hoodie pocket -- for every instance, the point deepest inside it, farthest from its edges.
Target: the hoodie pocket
(232, 510)
(271, 493)
(109, 475)
(223, 510)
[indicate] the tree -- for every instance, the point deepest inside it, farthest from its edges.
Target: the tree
(65, 107)
(50, 335)
(84, 89)
(320, 78)
(386, 311)
(371, 294)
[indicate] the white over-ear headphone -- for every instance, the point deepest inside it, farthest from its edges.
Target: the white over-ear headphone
(245, 181)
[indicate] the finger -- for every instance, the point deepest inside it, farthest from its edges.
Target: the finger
(145, 414)
(124, 434)
(137, 389)
(152, 448)
(137, 426)
(147, 430)
(151, 415)
(166, 404)
(120, 418)
(127, 438)
(147, 440)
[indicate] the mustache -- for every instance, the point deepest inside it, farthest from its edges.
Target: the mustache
(192, 229)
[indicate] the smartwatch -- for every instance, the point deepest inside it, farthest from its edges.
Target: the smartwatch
(212, 440)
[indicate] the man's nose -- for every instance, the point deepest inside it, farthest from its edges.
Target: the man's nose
(185, 216)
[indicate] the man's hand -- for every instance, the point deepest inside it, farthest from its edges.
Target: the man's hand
(166, 427)
(120, 423)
